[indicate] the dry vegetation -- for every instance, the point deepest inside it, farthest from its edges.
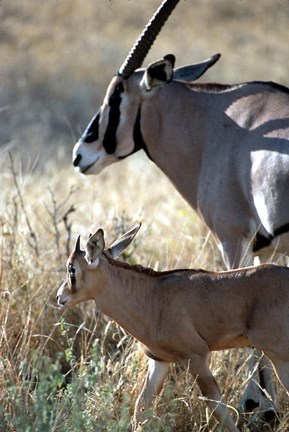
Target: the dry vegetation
(73, 371)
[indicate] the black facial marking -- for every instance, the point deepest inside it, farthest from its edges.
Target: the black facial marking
(139, 142)
(109, 141)
(158, 72)
(91, 133)
(77, 160)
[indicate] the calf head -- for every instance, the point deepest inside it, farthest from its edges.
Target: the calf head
(84, 270)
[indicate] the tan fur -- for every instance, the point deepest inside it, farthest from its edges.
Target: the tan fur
(183, 315)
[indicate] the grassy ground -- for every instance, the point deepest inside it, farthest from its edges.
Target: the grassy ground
(71, 371)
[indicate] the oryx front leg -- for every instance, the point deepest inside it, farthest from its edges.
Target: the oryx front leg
(157, 372)
(259, 395)
(282, 371)
(210, 390)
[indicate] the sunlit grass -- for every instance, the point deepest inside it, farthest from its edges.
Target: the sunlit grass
(74, 370)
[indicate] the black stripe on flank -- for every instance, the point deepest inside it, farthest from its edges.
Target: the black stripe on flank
(91, 132)
(109, 141)
(261, 241)
(283, 229)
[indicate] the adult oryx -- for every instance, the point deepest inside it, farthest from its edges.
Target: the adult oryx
(224, 147)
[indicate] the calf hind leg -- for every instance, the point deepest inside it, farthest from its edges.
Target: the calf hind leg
(210, 390)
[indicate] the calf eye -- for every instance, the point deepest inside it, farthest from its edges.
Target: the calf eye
(71, 272)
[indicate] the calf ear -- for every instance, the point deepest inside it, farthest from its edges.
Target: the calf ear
(158, 73)
(119, 245)
(77, 245)
(94, 246)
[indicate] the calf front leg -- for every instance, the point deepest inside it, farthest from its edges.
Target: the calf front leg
(157, 372)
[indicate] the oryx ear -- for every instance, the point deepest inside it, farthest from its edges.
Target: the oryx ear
(94, 246)
(119, 245)
(158, 73)
(193, 72)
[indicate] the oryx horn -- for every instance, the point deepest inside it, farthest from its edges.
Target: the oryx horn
(143, 44)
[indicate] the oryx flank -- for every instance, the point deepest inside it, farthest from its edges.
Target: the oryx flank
(183, 315)
(224, 147)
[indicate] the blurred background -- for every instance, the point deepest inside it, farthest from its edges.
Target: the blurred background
(57, 57)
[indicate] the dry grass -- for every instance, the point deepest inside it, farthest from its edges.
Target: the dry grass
(48, 356)
(70, 371)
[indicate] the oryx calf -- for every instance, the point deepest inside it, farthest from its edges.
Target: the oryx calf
(183, 315)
